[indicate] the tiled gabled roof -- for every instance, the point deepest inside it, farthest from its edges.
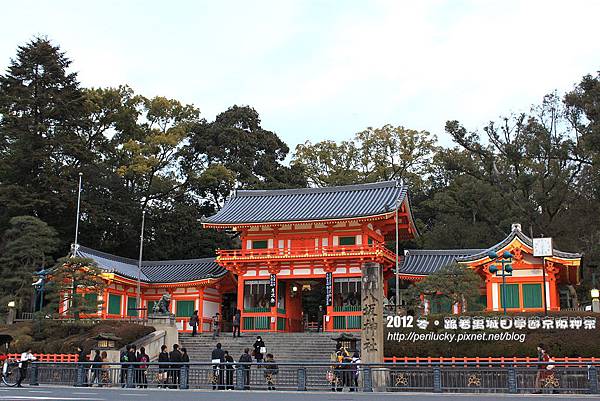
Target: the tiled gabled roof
(166, 271)
(310, 204)
(517, 233)
(428, 261)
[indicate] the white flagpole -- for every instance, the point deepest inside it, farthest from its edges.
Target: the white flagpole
(78, 208)
(139, 277)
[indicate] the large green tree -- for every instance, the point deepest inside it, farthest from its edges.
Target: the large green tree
(40, 108)
(27, 246)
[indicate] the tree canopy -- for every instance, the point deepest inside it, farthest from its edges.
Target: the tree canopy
(159, 155)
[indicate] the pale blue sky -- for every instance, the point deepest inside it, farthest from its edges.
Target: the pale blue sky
(324, 69)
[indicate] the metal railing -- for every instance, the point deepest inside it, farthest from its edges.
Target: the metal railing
(338, 251)
(515, 377)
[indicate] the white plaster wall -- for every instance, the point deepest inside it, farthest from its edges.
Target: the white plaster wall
(210, 308)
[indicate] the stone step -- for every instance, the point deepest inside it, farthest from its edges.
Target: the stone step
(286, 347)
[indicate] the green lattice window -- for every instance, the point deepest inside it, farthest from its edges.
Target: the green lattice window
(281, 323)
(354, 322)
(532, 295)
(114, 304)
(511, 296)
(257, 323)
(184, 308)
(260, 244)
(347, 241)
(132, 306)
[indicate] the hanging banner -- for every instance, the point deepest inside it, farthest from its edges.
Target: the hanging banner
(273, 295)
(328, 289)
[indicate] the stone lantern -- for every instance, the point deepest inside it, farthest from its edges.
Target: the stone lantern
(106, 341)
(347, 341)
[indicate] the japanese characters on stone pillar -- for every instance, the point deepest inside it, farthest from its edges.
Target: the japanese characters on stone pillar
(372, 314)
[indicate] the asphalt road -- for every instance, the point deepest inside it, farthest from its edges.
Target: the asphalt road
(107, 394)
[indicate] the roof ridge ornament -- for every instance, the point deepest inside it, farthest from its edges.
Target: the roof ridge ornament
(516, 227)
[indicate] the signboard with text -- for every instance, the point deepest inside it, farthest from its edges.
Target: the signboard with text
(273, 290)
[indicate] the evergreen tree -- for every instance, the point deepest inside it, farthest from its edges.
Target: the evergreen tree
(26, 247)
(40, 109)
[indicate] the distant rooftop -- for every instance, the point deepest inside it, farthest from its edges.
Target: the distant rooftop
(310, 204)
(428, 261)
(164, 271)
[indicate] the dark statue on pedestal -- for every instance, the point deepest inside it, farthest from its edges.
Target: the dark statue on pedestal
(162, 306)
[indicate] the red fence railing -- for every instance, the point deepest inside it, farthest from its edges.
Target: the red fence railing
(483, 361)
(49, 357)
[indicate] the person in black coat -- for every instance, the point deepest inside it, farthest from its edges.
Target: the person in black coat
(217, 357)
(258, 344)
(125, 365)
(175, 356)
(82, 357)
(163, 369)
(132, 357)
(96, 369)
(248, 359)
(228, 371)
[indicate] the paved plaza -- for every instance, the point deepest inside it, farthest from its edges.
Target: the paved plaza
(108, 394)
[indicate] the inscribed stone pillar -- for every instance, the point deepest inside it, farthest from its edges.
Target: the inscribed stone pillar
(371, 344)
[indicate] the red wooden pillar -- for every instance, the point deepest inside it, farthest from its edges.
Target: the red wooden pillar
(201, 309)
(240, 299)
(489, 295)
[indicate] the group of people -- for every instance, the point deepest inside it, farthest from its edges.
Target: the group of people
(169, 370)
(215, 323)
(99, 372)
(223, 366)
(345, 370)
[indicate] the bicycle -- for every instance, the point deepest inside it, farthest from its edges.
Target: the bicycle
(10, 367)
(10, 373)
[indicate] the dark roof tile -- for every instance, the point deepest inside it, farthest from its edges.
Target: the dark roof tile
(310, 204)
(164, 271)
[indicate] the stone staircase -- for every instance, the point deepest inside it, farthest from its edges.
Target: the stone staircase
(285, 347)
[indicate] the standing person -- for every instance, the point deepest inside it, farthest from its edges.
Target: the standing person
(194, 323)
(336, 374)
(132, 357)
(541, 374)
(105, 373)
(82, 357)
(186, 359)
(96, 369)
(347, 369)
(228, 370)
(217, 358)
(355, 371)
(320, 315)
(124, 365)
(246, 366)
(259, 349)
(163, 358)
(26, 358)
(237, 316)
(184, 356)
(216, 325)
(175, 356)
(271, 370)
(143, 358)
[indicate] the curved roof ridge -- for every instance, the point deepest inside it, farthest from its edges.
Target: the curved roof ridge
(311, 204)
(157, 271)
(311, 190)
(517, 233)
(106, 255)
(444, 251)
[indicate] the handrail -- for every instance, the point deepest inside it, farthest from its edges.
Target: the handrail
(328, 364)
(339, 250)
